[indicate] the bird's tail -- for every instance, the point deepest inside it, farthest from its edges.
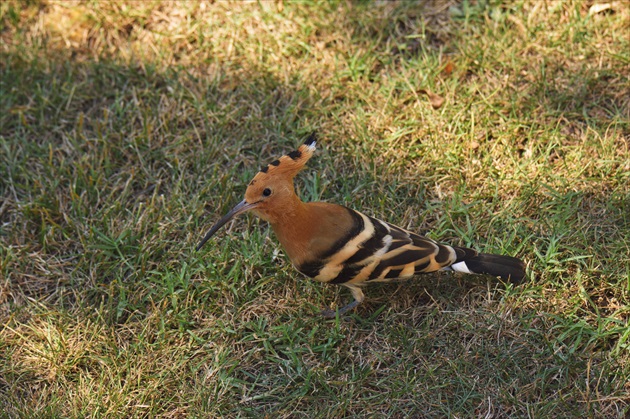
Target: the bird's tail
(507, 268)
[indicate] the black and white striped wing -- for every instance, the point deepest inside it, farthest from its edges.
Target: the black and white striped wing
(378, 251)
(410, 254)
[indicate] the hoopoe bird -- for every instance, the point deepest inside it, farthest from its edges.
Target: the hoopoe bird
(338, 245)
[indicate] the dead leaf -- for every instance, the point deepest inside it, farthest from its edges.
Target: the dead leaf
(436, 100)
(448, 68)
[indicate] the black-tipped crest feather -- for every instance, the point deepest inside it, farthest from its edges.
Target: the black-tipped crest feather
(311, 139)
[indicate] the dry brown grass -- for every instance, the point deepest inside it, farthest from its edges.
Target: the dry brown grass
(121, 120)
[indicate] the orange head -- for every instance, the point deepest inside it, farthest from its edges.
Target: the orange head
(271, 191)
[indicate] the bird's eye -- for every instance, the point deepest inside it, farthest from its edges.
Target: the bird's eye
(266, 192)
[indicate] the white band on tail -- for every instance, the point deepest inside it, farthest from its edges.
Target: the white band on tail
(461, 267)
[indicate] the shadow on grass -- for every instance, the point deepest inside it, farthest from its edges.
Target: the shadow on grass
(100, 153)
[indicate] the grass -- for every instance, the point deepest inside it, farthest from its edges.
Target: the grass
(127, 128)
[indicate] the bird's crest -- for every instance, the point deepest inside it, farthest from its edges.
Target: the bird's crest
(290, 164)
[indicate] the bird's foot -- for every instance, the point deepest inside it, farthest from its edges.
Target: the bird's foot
(331, 314)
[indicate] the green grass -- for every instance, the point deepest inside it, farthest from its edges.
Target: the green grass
(128, 128)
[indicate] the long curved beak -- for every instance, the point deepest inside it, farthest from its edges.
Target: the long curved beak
(240, 208)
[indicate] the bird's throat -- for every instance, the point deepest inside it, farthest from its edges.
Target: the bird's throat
(294, 227)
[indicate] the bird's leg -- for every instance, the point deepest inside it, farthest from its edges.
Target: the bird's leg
(358, 295)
